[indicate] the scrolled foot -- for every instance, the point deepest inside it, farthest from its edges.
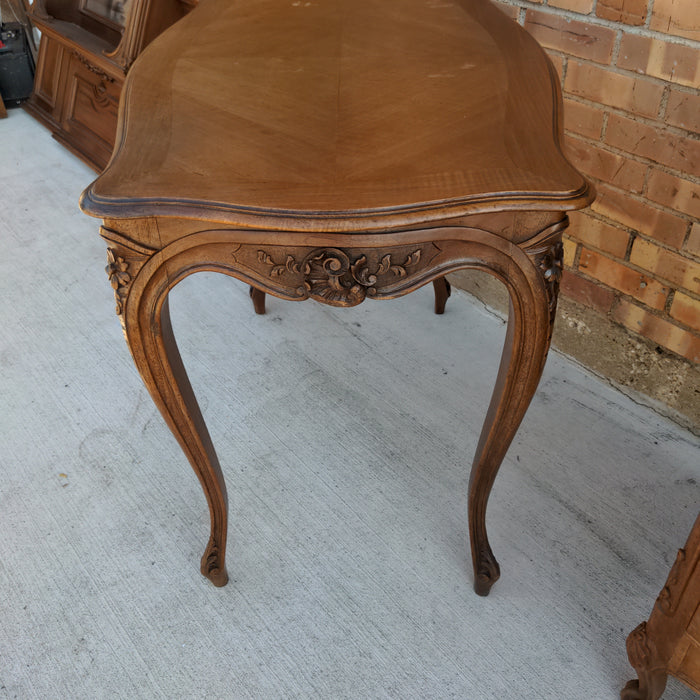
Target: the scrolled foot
(213, 566)
(486, 572)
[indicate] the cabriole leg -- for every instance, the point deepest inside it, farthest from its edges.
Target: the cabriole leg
(142, 305)
(531, 315)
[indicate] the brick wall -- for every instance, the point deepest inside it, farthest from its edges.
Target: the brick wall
(630, 72)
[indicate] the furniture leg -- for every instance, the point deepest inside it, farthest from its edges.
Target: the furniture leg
(443, 289)
(651, 670)
(258, 297)
(531, 315)
(150, 338)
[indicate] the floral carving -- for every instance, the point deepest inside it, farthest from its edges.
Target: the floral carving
(118, 272)
(332, 276)
(549, 260)
(551, 263)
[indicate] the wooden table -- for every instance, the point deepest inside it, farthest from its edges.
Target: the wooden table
(338, 150)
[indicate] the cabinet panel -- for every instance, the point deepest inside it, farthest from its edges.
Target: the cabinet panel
(48, 75)
(89, 123)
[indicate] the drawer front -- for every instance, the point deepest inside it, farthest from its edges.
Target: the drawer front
(90, 117)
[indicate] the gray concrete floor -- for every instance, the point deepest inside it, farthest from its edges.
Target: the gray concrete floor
(346, 438)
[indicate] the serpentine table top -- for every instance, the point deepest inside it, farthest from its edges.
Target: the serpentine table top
(338, 150)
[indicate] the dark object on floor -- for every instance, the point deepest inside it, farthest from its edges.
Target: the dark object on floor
(16, 65)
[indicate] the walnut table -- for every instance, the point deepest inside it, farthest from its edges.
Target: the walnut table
(338, 150)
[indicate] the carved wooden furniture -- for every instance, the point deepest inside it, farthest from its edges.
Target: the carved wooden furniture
(86, 49)
(669, 642)
(339, 151)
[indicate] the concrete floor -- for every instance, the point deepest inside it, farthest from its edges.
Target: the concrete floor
(346, 438)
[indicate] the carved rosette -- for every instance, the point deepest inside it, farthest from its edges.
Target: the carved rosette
(332, 275)
(549, 261)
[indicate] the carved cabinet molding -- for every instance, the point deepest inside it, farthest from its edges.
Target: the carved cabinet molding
(669, 641)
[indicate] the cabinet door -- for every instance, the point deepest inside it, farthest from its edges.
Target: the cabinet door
(89, 122)
(48, 78)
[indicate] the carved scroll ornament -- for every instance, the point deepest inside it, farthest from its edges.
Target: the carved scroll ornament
(334, 276)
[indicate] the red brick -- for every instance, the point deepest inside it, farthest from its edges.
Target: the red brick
(610, 167)
(665, 228)
(666, 265)
(634, 52)
(674, 192)
(581, 6)
(637, 95)
(586, 292)
(583, 119)
(662, 332)
(677, 17)
(683, 109)
(677, 152)
(597, 234)
(570, 36)
(626, 11)
(623, 278)
(692, 245)
(686, 310)
(662, 59)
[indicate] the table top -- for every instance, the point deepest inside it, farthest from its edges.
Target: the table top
(327, 114)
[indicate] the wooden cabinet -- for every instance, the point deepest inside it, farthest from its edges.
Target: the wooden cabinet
(669, 642)
(87, 47)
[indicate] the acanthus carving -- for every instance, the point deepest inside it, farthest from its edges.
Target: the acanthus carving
(118, 272)
(340, 277)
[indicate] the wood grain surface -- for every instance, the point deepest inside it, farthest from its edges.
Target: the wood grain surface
(339, 109)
